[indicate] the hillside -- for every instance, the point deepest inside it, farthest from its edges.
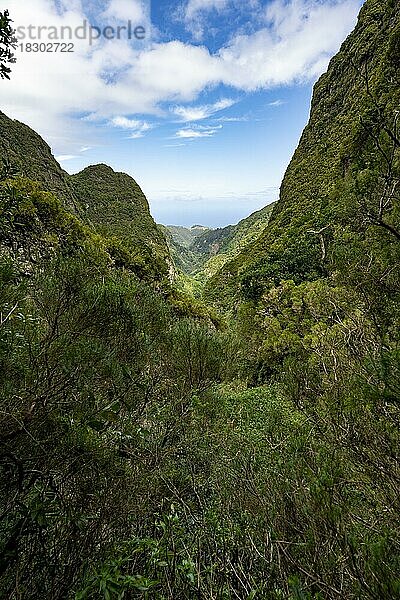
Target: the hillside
(180, 240)
(154, 449)
(183, 258)
(222, 245)
(201, 252)
(315, 301)
(31, 156)
(115, 205)
(111, 203)
(185, 236)
(356, 97)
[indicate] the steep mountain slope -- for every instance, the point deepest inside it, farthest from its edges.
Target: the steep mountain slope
(116, 206)
(185, 236)
(352, 103)
(89, 356)
(26, 151)
(203, 251)
(183, 258)
(145, 455)
(110, 203)
(223, 245)
(315, 301)
(211, 242)
(180, 240)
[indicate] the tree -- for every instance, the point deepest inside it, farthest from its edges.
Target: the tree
(8, 42)
(377, 184)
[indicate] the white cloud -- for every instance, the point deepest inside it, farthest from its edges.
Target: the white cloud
(127, 10)
(135, 135)
(276, 103)
(126, 123)
(196, 132)
(193, 134)
(232, 119)
(137, 128)
(197, 113)
(195, 15)
(48, 90)
(296, 43)
(194, 7)
(68, 5)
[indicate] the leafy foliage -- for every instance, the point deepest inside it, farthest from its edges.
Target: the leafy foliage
(89, 378)
(110, 203)
(116, 206)
(8, 43)
(150, 448)
(355, 101)
(29, 155)
(185, 236)
(202, 252)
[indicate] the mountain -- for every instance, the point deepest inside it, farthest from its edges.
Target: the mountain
(180, 240)
(116, 206)
(315, 304)
(183, 258)
(110, 203)
(151, 451)
(93, 349)
(185, 236)
(201, 251)
(31, 156)
(222, 245)
(353, 105)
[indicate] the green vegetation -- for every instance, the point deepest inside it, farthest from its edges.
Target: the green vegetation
(353, 103)
(116, 206)
(183, 258)
(28, 154)
(185, 236)
(110, 203)
(152, 448)
(8, 43)
(201, 252)
(225, 244)
(92, 362)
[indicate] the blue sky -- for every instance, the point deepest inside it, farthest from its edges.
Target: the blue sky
(205, 113)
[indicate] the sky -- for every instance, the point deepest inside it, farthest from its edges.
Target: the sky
(203, 107)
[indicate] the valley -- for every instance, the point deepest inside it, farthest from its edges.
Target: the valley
(208, 413)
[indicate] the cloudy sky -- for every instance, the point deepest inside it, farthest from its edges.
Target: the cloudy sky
(204, 113)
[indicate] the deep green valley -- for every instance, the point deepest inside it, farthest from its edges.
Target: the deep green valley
(203, 413)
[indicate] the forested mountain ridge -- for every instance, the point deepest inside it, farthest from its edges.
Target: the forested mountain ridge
(316, 302)
(183, 258)
(221, 245)
(355, 100)
(111, 203)
(30, 155)
(116, 206)
(185, 236)
(202, 251)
